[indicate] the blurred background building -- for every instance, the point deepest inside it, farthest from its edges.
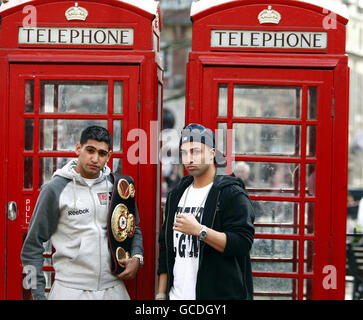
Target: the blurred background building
(175, 45)
(176, 41)
(355, 51)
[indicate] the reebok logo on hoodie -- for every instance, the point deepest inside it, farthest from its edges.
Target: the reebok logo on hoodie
(78, 212)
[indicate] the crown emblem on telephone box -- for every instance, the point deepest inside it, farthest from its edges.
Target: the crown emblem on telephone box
(269, 16)
(76, 13)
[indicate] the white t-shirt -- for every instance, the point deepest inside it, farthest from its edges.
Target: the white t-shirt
(187, 247)
(91, 182)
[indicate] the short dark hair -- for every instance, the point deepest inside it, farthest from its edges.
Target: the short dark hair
(96, 133)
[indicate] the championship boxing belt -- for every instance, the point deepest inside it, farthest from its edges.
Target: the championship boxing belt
(121, 221)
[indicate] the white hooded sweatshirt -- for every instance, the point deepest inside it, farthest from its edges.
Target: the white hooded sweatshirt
(73, 215)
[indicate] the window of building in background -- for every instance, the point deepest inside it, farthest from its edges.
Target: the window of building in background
(355, 52)
(175, 4)
(167, 59)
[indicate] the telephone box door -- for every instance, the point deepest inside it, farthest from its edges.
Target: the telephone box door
(49, 107)
(277, 124)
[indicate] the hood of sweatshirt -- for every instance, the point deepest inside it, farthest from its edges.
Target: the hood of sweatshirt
(69, 172)
(220, 181)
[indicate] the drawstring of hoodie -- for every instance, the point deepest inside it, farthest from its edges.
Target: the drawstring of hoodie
(107, 192)
(73, 175)
(74, 193)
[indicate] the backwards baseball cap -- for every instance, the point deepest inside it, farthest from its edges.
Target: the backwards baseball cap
(195, 132)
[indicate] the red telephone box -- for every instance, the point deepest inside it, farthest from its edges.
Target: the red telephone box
(65, 65)
(271, 77)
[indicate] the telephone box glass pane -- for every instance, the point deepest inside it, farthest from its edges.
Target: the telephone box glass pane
(28, 173)
(48, 165)
(273, 178)
(64, 134)
(221, 136)
(117, 135)
(313, 103)
(83, 97)
(275, 288)
(242, 170)
(271, 102)
(48, 262)
(29, 96)
(267, 139)
(310, 180)
(47, 247)
(117, 165)
(275, 217)
(311, 141)
(118, 96)
(273, 255)
(28, 134)
(222, 100)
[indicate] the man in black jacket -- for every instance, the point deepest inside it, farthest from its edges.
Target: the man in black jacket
(208, 229)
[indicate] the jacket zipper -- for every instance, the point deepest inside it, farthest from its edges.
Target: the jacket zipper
(166, 242)
(202, 247)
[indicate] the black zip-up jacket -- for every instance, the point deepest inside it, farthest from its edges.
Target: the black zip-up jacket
(228, 209)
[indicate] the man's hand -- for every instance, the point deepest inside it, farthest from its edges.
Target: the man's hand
(131, 268)
(186, 223)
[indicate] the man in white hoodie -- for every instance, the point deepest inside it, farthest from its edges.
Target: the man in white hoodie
(71, 211)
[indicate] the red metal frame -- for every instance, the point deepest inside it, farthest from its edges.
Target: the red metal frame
(51, 13)
(19, 73)
(297, 16)
(4, 70)
(286, 77)
(139, 63)
(326, 69)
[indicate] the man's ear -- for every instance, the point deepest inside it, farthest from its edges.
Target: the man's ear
(109, 155)
(78, 149)
(213, 151)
